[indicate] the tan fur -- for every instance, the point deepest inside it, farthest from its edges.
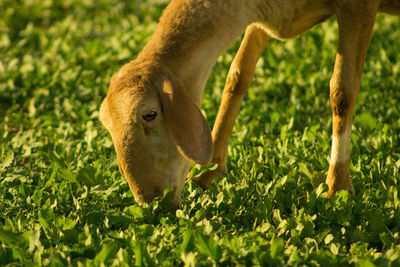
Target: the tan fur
(169, 75)
(342, 170)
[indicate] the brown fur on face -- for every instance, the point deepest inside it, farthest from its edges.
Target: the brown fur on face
(154, 155)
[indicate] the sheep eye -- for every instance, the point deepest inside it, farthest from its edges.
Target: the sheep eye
(150, 115)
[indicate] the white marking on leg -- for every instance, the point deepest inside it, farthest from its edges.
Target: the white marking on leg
(341, 146)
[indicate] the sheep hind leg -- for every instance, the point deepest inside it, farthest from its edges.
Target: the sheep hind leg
(355, 29)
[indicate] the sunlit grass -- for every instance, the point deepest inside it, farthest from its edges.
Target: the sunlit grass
(64, 202)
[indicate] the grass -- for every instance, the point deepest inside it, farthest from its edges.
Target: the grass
(63, 201)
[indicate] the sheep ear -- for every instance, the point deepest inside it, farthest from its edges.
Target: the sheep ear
(185, 122)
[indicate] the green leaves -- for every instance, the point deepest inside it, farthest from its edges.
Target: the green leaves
(277, 249)
(7, 160)
(366, 120)
(208, 246)
(63, 201)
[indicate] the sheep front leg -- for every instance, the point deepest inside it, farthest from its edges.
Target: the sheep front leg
(355, 28)
(240, 75)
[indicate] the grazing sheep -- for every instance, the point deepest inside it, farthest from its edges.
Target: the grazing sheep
(152, 107)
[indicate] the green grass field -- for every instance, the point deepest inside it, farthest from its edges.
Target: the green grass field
(64, 202)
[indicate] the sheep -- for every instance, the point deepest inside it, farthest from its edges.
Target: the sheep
(152, 109)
